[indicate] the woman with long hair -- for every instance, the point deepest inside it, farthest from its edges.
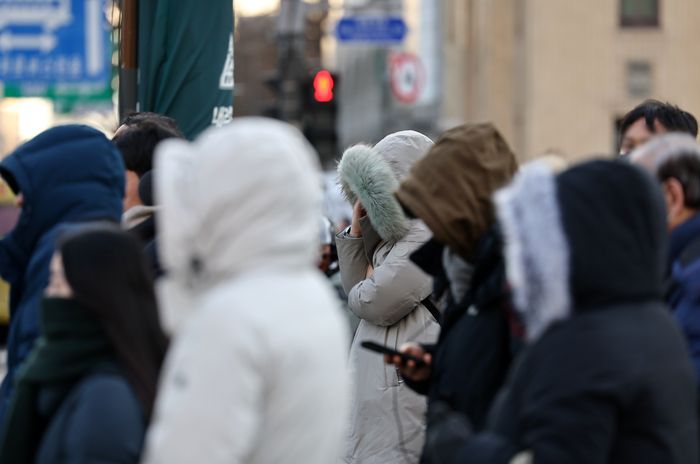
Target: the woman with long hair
(87, 389)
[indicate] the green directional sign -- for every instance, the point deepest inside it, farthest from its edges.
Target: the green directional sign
(65, 96)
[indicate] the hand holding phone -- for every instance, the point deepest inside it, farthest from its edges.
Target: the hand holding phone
(405, 361)
(392, 353)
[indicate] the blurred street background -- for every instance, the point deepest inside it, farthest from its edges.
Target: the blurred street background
(553, 75)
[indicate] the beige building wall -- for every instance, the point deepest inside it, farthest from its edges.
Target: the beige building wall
(552, 74)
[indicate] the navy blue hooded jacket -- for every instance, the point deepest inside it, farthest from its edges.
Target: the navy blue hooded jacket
(683, 292)
(67, 174)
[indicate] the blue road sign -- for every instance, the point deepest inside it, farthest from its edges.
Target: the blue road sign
(54, 42)
(391, 29)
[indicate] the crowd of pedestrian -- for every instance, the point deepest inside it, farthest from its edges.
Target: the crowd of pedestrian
(185, 302)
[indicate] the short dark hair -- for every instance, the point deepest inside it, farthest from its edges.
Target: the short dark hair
(144, 131)
(685, 168)
(136, 118)
(670, 116)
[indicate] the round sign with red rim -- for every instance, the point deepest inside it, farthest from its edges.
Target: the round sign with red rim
(407, 77)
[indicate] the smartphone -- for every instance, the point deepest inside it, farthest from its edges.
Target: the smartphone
(376, 347)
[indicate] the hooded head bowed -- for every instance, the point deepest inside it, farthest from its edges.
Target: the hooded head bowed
(615, 222)
(372, 175)
(450, 189)
(590, 237)
(239, 198)
(67, 173)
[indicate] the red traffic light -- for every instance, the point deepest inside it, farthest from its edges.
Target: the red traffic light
(323, 87)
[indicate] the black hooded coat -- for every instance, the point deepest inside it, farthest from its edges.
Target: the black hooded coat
(612, 382)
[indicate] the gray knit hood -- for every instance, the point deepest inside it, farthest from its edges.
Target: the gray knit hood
(373, 174)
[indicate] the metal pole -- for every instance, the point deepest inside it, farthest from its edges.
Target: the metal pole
(290, 58)
(128, 70)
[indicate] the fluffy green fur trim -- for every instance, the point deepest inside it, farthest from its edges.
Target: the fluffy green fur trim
(366, 176)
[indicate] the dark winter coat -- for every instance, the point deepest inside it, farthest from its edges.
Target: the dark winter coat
(683, 291)
(607, 377)
(141, 221)
(450, 189)
(67, 174)
(474, 350)
(96, 420)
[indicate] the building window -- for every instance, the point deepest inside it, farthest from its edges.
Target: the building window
(639, 80)
(639, 13)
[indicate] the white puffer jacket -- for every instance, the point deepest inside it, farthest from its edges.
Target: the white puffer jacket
(256, 372)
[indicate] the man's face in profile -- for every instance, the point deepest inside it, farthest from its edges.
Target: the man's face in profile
(638, 134)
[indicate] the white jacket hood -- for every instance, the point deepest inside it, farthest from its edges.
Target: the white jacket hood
(239, 198)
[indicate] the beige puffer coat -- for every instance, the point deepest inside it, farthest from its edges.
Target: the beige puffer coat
(387, 418)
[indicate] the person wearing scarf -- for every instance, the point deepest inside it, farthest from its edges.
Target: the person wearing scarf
(87, 389)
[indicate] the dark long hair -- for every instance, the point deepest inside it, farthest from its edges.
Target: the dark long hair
(110, 276)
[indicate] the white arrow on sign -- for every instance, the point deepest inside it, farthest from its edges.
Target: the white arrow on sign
(49, 16)
(43, 42)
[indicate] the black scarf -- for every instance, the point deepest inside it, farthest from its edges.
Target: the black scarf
(72, 343)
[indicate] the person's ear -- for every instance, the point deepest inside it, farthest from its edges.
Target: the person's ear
(675, 197)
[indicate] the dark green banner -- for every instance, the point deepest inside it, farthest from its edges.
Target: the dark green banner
(186, 61)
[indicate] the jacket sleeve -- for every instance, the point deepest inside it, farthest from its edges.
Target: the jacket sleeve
(395, 288)
(210, 394)
(355, 254)
(352, 258)
(568, 417)
(449, 440)
(568, 430)
(24, 318)
(572, 428)
(104, 432)
(568, 404)
(554, 429)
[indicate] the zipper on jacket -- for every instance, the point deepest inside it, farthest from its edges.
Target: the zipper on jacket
(391, 383)
(399, 379)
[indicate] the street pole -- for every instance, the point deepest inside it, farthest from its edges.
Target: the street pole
(128, 68)
(290, 59)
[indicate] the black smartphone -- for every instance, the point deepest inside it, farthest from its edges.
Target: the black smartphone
(376, 347)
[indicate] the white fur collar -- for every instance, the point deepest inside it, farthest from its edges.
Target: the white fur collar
(536, 249)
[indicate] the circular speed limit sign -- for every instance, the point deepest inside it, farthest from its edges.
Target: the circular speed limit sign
(407, 77)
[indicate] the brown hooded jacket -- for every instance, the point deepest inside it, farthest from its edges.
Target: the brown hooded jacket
(451, 188)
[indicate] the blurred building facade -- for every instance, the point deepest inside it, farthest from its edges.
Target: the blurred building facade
(558, 75)
(370, 106)
(553, 75)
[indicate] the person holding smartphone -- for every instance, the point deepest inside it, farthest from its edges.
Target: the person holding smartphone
(387, 292)
(451, 189)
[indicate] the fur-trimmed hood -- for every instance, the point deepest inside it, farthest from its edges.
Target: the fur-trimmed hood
(372, 175)
(536, 249)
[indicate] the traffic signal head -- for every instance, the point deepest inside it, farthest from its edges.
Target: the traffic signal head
(323, 86)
